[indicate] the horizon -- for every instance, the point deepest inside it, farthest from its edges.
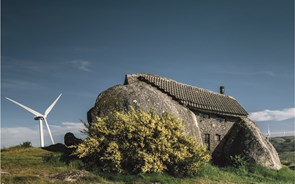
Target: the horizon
(80, 49)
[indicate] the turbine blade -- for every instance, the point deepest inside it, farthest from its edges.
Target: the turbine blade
(25, 107)
(51, 106)
(49, 131)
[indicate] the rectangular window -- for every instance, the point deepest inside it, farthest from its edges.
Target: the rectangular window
(217, 137)
(207, 141)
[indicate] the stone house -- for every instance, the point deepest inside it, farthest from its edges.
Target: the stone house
(216, 112)
(213, 119)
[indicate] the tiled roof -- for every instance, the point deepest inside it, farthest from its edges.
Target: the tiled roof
(192, 97)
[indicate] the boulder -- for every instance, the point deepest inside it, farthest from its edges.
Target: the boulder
(59, 147)
(143, 96)
(71, 140)
(245, 139)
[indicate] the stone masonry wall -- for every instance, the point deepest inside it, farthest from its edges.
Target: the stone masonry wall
(213, 128)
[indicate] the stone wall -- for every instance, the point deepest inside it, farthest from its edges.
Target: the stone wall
(214, 128)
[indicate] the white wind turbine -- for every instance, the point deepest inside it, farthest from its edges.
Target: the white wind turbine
(268, 133)
(40, 117)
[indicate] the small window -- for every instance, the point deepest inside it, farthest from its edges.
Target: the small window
(207, 141)
(217, 137)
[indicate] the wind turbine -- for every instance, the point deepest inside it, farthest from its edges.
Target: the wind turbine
(268, 132)
(40, 117)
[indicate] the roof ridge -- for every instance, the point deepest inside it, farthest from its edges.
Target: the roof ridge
(169, 79)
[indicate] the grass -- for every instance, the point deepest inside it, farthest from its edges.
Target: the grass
(215, 175)
(34, 165)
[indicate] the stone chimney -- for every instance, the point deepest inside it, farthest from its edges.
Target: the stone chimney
(222, 90)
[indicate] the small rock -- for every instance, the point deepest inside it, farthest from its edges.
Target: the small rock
(71, 176)
(4, 173)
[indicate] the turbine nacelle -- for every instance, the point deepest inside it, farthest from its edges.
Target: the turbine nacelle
(38, 118)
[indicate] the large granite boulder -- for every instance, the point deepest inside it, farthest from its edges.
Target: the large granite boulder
(246, 140)
(143, 96)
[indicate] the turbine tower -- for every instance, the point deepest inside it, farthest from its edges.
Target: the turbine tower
(268, 133)
(40, 117)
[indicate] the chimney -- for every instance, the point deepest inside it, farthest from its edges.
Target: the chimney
(222, 90)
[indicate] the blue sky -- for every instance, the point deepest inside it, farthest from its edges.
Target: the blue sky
(80, 48)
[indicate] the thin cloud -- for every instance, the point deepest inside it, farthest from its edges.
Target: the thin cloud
(273, 115)
(28, 65)
(265, 73)
(18, 84)
(81, 65)
(17, 135)
(269, 73)
(262, 72)
(67, 127)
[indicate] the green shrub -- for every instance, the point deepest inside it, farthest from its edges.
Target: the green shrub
(141, 142)
(240, 163)
(26, 144)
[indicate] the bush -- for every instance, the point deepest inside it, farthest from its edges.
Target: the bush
(141, 142)
(240, 163)
(26, 144)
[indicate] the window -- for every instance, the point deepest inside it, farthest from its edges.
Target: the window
(207, 141)
(217, 137)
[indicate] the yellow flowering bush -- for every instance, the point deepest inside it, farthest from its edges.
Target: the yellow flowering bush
(141, 142)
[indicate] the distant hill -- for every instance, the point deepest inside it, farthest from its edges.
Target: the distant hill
(284, 144)
(285, 147)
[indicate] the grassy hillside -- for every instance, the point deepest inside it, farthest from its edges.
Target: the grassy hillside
(285, 147)
(284, 144)
(34, 165)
